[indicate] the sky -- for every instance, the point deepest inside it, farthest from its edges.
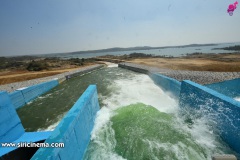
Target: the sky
(30, 27)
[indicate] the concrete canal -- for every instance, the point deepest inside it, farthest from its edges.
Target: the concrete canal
(137, 120)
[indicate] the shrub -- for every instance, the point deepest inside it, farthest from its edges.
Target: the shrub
(37, 66)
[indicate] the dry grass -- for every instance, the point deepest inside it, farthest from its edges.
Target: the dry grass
(18, 76)
(216, 63)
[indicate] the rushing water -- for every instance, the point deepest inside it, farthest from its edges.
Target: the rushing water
(237, 98)
(137, 120)
(45, 112)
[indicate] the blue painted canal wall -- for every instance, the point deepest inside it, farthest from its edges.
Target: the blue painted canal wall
(11, 128)
(230, 88)
(74, 129)
(168, 84)
(213, 100)
(10, 124)
(218, 108)
(17, 99)
(20, 97)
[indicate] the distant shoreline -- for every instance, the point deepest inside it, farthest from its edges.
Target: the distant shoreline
(128, 49)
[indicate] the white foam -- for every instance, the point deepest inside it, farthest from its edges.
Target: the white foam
(28, 103)
(201, 133)
(102, 118)
(20, 89)
(112, 65)
(140, 88)
(179, 149)
(237, 98)
(54, 125)
(47, 95)
(103, 136)
(50, 128)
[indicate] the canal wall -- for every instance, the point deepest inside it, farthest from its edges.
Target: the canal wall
(11, 128)
(169, 85)
(11, 87)
(74, 129)
(218, 108)
(9, 121)
(215, 101)
(68, 76)
(229, 88)
(22, 96)
(136, 69)
(109, 60)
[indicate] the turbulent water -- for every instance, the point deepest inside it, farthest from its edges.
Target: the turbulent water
(138, 132)
(237, 98)
(45, 112)
(137, 120)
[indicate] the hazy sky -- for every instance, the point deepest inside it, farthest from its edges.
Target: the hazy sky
(52, 26)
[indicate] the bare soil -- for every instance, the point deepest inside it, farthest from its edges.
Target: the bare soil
(229, 62)
(10, 76)
(211, 62)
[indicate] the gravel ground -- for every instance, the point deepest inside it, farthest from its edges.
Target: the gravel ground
(202, 77)
(13, 86)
